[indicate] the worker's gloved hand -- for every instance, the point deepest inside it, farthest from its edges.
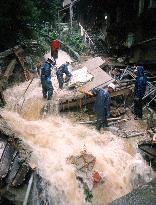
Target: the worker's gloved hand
(109, 114)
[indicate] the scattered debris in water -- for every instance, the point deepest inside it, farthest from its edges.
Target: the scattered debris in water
(85, 173)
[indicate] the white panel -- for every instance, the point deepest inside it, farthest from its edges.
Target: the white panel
(66, 2)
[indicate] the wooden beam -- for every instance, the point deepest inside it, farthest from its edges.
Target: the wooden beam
(19, 52)
(6, 53)
(71, 103)
(124, 91)
(7, 74)
(9, 70)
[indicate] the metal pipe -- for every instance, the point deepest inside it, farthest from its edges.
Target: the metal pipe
(146, 95)
(149, 93)
(28, 190)
(149, 102)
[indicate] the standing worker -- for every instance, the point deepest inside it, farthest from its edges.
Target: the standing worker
(102, 105)
(63, 69)
(55, 44)
(47, 88)
(139, 91)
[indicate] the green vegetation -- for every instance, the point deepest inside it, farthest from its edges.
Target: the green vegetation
(33, 23)
(88, 194)
(24, 19)
(75, 41)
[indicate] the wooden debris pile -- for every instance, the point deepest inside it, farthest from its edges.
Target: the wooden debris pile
(13, 64)
(130, 133)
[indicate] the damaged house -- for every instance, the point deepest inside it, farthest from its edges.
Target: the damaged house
(124, 28)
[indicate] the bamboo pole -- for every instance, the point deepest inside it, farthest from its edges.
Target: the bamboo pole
(28, 190)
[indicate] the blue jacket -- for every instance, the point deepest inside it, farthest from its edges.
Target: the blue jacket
(46, 71)
(63, 69)
(140, 83)
(102, 102)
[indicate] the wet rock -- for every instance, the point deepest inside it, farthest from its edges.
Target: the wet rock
(139, 175)
(144, 195)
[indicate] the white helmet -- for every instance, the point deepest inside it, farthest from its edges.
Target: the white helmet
(111, 85)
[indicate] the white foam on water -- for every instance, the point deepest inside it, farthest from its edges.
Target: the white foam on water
(55, 138)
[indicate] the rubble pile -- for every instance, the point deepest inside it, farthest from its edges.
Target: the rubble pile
(85, 173)
(118, 112)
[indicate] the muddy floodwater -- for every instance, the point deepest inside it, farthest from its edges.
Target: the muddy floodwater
(54, 138)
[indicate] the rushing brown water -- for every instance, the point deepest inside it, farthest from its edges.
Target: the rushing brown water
(53, 139)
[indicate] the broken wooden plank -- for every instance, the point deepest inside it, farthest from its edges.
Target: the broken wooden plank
(9, 69)
(19, 52)
(82, 100)
(94, 121)
(21, 175)
(7, 73)
(130, 134)
(124, 91)
(93, 63)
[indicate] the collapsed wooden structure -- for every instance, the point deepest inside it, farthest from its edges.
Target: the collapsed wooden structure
(17, 56)
(101, 79)
(101, 71)
(14, 158)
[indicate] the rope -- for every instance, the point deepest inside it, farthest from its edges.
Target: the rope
(24, 95)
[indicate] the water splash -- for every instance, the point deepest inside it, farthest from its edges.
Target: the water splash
(54, 138)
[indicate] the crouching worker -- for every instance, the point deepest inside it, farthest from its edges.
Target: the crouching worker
(47, 88)
(102, 105)
(63, 69)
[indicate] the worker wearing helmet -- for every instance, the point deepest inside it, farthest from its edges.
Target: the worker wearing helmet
(102, 105)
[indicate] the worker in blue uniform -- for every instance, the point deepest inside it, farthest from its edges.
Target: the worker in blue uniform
(63, 69)
(47, 88)
(139, 91)
(102, 105)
